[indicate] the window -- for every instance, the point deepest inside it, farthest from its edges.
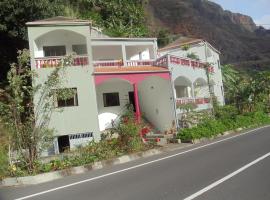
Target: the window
(81, 135)
(111, 99)
(79, 49)
(54, 51)
(218, 61)
(73, 101)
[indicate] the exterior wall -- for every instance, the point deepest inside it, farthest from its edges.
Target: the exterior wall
(76, 119)
(198, 49)
(107, 114)
(97, 33)
(217, 77)
(156, 102)
(109, 52)
(81, 118)
(133, 52)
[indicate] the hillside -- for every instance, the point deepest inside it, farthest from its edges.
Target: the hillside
(234, 34)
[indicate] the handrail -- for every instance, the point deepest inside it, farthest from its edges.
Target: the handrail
(196, 100)
(56, 61)
(120, 63)
(182, 61)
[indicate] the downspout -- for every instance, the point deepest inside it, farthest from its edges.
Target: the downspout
(172, 89)
(208, 78)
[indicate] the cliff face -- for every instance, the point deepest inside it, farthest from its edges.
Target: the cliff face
(234, 34)
(242, 20)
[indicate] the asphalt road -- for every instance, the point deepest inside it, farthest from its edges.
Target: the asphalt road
(235, 168)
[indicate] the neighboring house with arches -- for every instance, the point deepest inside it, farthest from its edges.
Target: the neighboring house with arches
(187, 59)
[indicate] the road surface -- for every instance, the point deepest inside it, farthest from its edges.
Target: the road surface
(232, 168)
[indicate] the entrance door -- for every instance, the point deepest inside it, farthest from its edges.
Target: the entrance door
(132, 100)
(63, 143)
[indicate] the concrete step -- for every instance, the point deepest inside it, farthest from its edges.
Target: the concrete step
(158, 141)
(169, 136)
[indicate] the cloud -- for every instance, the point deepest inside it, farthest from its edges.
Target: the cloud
(263, 21)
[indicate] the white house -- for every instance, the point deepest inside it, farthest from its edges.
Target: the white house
(109, 73)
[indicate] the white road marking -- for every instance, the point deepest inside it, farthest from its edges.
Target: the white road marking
(134, 167)
(202, 191)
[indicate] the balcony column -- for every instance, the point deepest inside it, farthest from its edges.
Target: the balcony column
(192, 90)
(124, 55)
(137, 103)
(174, 93)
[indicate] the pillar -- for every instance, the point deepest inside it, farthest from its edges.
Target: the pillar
(193, 90)
(124, 55)
(137, 103)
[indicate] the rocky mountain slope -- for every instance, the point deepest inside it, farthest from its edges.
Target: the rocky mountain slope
(235, 35)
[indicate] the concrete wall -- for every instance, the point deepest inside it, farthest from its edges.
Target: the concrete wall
(76, 119)
(132, 52)
(156, 102)
(109, 52)
(107, 114)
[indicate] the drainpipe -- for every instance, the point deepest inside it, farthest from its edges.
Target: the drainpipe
(208, 79)
(137, 104)
(174, 97)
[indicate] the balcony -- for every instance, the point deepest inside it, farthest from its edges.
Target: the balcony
(120, 63)
(57, 61)
(197, 101)
(179, 61)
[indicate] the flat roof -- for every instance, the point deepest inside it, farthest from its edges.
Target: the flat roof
(182, 41)
(59, 20)
(123, 39)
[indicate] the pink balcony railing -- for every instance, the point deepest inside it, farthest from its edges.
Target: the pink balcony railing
(48, 62)
(165, 60)
(198, 101)
(162, 61)
(120, 63)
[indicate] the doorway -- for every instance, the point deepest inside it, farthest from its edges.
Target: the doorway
(63, 143)
(132, 100)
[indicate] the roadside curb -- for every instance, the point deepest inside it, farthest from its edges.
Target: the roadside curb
(50, 176)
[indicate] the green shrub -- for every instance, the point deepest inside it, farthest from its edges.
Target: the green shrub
(3, 162)
(211, 128)
(226, 112)
(128, 140)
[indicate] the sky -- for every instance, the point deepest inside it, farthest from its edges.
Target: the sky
(259, 10)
